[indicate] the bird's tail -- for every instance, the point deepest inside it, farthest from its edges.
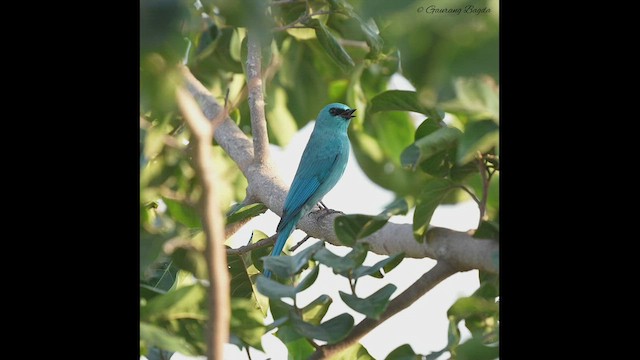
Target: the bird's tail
(283, 235)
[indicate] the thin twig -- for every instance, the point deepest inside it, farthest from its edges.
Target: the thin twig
(260, 244)
(256, 100)
(352, 285)
(485, 187)
(468, 191)
(212, 223)
(296, 246)
(426, 282)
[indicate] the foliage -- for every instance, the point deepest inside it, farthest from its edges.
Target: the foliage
(432, 145)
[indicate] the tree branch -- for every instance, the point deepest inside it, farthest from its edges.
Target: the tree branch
(256, 99)
(212, 223)
(426, 282)
(459, 249)
(260, 244)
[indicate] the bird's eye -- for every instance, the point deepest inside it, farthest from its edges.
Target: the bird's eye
(335, 111)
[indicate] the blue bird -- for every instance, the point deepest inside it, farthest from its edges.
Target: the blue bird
(321, 166)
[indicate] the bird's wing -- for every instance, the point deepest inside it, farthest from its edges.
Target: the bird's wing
(305, 184)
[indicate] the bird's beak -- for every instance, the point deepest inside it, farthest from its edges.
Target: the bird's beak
(348, 114)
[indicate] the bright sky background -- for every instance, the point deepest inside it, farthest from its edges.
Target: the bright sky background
(424, 324)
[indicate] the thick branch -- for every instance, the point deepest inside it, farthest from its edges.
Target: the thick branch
(212, 223)
(426, 282)
(256, 99)
(459, 249)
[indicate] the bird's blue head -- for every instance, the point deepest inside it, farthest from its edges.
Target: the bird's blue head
(336, 115)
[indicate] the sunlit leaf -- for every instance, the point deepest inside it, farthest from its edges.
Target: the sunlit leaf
(474, 349)
(372, 306)
(183, 213)
(315, 310)
(432, 195)
(247, 322)
(298, 346)
(403, 352)
(401, 100)
(331, 45)
(187, 302)
(476, 96)
(153, 335)
(281, 125)
(353, 352)
(479, 136)
(239, 212)
(427, 146)
(160, 279)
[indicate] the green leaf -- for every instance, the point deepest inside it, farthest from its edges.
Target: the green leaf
(183, 213)
(481, 316)
(153, 335)
(239, 212)
(161, 278)
(151, 250)
(372, 306)
(428, 126)
(286, 266)
(477, 97)
(308, 280)
(401, 100)
(279, 308)
(369, 270)
(433, 192)
(281, 125)
(489, 286)
(297, 346)
(316, 310)
(274, 289)
(339, 264)
(487, 230)
(247, 322)
(403, 352)
(478, 136)
(353, 352)
(442, 139)
(474, 349)
(191, 259)
(156, 353)
(453, 339)
(188, 302)
(342, 264)
(399, 206)
(368, 28)
(394, 131)
(350, 228)
(331, 45)
(330, 331)
(241, 285)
